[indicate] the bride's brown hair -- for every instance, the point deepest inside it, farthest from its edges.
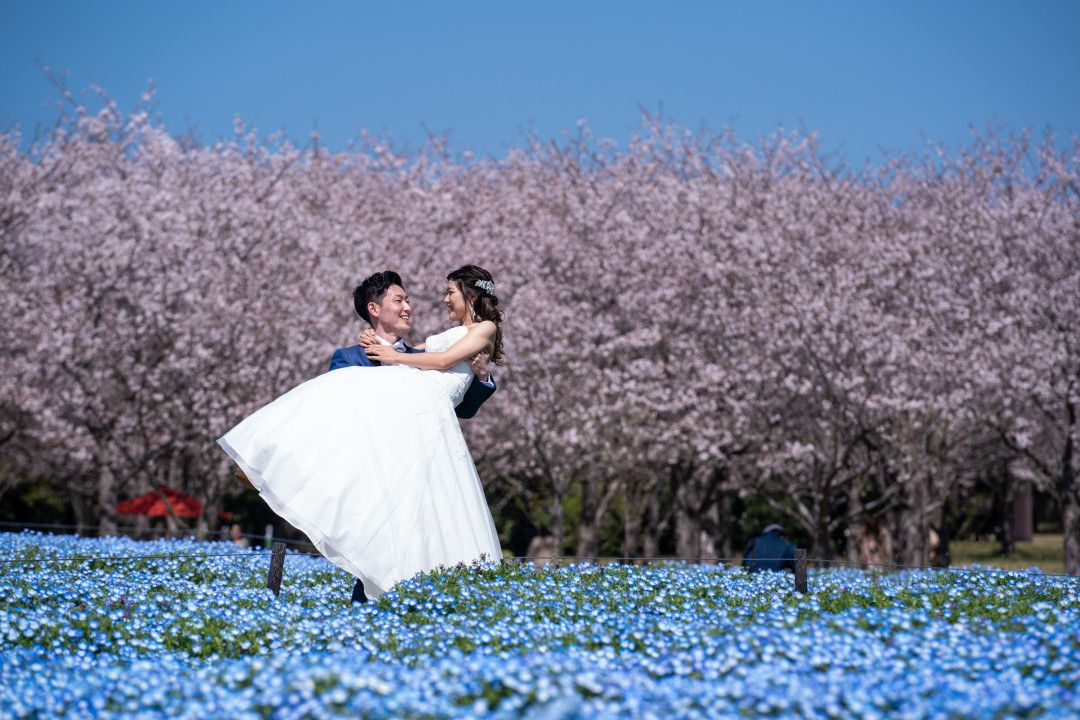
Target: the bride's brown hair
(476, 285)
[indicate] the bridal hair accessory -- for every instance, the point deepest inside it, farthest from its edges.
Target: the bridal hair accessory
(487, 286)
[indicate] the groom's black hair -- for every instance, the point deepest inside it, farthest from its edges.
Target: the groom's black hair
(372, 290)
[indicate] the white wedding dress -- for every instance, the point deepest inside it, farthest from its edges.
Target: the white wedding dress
(371, 465)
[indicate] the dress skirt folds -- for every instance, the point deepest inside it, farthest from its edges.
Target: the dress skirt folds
(371, 465)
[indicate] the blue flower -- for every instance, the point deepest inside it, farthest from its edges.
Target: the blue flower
(197, 637)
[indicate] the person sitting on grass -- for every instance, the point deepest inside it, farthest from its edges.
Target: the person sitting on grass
(770, 551)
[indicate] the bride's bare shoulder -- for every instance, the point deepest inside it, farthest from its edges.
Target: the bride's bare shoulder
(485, 327)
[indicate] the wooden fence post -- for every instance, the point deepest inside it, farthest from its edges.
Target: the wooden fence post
(277, 568)
(800, 571)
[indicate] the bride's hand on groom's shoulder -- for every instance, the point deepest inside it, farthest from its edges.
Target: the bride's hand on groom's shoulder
(368, 339)
(383, 353)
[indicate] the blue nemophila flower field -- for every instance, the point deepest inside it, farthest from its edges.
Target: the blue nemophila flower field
(201, 637)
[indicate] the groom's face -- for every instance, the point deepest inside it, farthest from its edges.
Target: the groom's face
(393, 312)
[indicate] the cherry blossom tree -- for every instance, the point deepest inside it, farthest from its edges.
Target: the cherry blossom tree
(692, 321)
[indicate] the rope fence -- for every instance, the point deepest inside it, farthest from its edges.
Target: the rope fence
(537, 558)
(271, 540)
(278, 551)
(178, 532)
(739, 560)
(112, 558)
(276, 547)
(273, 578)
(247, 555)
(544, 558)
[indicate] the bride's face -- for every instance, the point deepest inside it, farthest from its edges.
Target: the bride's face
(456, 304)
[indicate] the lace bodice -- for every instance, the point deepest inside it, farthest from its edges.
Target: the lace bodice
(454, 381)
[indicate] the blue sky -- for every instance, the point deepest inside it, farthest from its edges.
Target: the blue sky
(867, 75)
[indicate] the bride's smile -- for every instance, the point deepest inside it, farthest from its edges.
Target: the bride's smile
(456, 304)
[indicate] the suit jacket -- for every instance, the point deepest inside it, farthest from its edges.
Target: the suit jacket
(769, 552)
(475, 396)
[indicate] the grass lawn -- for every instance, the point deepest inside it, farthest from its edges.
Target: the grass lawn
(1045, 551)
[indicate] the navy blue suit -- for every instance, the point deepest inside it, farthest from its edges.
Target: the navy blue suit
(478, 392)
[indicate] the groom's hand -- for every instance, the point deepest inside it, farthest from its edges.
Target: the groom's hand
(478, 363)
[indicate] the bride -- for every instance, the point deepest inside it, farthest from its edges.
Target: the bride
(370, 463)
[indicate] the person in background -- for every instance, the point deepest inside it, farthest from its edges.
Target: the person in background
(770, 551)
(874, 543)
(236, 534)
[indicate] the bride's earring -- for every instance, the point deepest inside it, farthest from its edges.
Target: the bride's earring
(472, 313)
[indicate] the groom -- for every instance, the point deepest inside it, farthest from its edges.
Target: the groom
(382, 303)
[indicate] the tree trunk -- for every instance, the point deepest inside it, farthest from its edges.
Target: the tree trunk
(106, 495)
(914, 530)
(1023, 511)
(79, 509)
(558, 522)
(855, 521)
(1070, 524)
(821, 545)
(654, 526)
(637, 491)
(942, 555)
(715, 517)
(588, 540)
(588, 529)
(687, 518)
(631, 531)
(1004, 513)
(1070, 499)
(722, 535)
(821, 540)
(194, 476)
(820, 537)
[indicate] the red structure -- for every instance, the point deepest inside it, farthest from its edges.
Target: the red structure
(157, 503)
